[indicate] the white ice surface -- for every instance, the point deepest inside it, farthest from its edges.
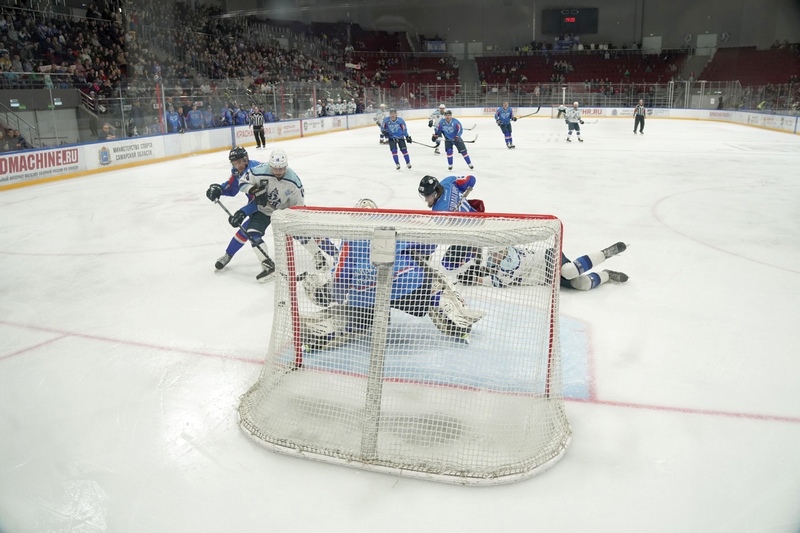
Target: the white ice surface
(123, 354)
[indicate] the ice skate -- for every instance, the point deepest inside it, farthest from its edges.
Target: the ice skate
(267, 272)
(222, 261)
(618, 277)
(614, 249)
(398, 166)
(510, 146)
(580, 140)
(408, 165)
(450, 167)
(569, 140)
(471, 167)
(436, 151)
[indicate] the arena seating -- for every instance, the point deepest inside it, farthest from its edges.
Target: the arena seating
(754, 67)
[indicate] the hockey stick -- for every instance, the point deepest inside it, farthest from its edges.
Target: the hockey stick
(472, 141)
(463, 198)
(530, 114)
(590, 121)
(423, 144)
(249, 237)
(471, 127)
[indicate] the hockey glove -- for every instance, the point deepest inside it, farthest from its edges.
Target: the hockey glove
(513, 119)
(566, 121)
(456, 139)
(499, 123)
(214, 192)
(580, 121)
(430, 123)
(408, 138)
(237, 218)
(434, 138)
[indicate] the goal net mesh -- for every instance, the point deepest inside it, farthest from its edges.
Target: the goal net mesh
(427, 345)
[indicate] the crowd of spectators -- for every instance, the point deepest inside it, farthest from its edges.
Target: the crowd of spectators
(204, 60)
(11, 140)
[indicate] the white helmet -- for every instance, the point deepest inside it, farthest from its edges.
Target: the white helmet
(366, 203)
(383, 106)
(574, 104)
(278, 159)
(441, 106)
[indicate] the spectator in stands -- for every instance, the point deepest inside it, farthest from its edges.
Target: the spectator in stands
(106, 133)
(20, 143)
(4, 145)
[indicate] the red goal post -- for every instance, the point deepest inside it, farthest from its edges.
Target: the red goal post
(382, 361)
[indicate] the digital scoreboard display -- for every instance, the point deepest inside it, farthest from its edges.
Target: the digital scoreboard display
(577, 21)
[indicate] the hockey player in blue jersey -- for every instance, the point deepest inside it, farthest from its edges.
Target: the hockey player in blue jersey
(394, 128)
(448, 195)
(450, 128)
(195, 118)
(175, 121)
(504, 116)
(433, 122)
(241, 163)
(347, 294)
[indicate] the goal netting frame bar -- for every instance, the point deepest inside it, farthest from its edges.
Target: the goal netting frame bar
(428, 418)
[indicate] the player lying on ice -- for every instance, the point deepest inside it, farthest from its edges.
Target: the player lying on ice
(517, 265)
(347, 294)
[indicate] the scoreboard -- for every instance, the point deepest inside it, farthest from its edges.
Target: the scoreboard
(577, 21)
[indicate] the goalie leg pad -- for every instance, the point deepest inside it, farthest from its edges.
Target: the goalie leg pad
(452, 307)
(324, 330)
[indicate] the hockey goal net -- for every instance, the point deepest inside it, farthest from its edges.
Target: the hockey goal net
(381, 360)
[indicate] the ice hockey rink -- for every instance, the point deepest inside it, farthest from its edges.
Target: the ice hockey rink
(123, 354)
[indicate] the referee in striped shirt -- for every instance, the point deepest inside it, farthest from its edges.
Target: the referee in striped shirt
(638, 117)
(257, 122)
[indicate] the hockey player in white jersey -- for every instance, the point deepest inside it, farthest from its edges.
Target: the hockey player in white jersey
(271, 186)
(433, 122)
(574, 121)
(378, 119)
(518, 265)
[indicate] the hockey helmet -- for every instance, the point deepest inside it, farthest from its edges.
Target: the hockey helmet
(366, 203)
(448, 113)
(392, 110)
(428, 186)
(383, 106)
(574, 104)
(237, 152)
(278, 159)
(441, 106)
(278, 162)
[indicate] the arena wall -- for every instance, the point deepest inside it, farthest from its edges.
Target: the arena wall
(31, 167)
